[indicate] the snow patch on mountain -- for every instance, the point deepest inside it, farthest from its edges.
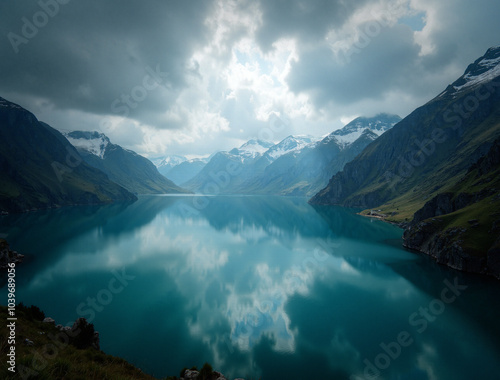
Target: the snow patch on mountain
(481, 71)
(353, 130)
(349, 138)
(93, 142)
(171, 161)
(198, 159)
(252, 149)
(493, 70)
(256, 146)
(7, 104)
(290, 144)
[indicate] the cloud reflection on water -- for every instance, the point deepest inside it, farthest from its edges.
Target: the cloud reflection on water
(253, 285)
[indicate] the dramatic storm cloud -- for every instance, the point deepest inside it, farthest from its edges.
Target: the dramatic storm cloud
(193, 77)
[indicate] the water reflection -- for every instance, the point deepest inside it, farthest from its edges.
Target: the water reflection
(254, 285)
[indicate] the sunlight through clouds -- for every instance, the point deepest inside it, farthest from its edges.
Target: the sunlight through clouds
(225, 66)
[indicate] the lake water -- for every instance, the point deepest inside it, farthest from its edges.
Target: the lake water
(260, 287)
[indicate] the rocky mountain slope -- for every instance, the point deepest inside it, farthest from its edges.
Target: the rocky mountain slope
(132, 171)
(430, 149)
(39, 168)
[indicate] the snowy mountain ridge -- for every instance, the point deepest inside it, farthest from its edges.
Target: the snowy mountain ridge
(483, 70)
(171, 161)
(290, 144)
(6, 104)
(252, 149)
(353, 130)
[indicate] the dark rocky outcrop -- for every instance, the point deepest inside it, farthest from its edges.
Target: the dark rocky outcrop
(445, 246)
(489, 162)
(190, 374)
(8, 256)
(493, 258)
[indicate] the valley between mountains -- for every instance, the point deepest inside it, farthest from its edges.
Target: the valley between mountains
(435, 172)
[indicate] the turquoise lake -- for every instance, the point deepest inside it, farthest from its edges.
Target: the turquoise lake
(260, 287)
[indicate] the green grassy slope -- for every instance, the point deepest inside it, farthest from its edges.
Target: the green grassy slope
(461, 227)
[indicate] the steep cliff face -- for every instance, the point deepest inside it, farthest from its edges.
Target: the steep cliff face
(461, 228)
(448, 246)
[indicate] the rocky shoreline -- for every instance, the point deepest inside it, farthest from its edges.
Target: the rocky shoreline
(447, 248)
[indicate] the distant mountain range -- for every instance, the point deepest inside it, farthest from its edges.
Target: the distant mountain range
(179, 169)
(425, 169)
(39, 168)
(132, 171)
(298, 165)
(165, 164)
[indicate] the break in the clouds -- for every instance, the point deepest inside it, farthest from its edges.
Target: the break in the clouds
(193, 77)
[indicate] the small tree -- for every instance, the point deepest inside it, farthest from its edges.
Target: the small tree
(85, 338)
(206, 372)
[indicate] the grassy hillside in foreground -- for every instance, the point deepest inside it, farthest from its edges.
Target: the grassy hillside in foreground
(48, 360)
(52, 355)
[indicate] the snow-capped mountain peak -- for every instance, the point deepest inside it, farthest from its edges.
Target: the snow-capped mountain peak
(169, 161)
(258, 146)
(93, 142)
(353, 130)
(482, 70)
(252, 149)
(289, 144)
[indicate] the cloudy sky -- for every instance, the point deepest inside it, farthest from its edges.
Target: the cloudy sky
(192, 77)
